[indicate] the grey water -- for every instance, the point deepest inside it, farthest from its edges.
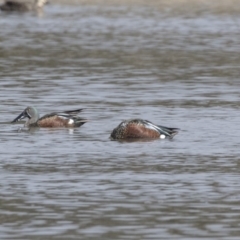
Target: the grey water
(120, 62)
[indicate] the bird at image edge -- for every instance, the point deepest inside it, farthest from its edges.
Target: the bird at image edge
(21, 6)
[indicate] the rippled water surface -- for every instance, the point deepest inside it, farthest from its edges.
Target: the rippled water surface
(120, 63)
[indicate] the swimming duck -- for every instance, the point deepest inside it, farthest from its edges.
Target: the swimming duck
(138, 128)
(55, 119)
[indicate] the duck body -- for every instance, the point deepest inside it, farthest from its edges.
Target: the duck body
(138, 128)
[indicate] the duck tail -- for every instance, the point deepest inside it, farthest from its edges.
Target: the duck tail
(170, 132)
(80, 121)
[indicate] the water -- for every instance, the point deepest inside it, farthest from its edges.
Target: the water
(118, 63)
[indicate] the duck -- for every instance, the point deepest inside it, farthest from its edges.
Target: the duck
(139, 128)
(51, 120)
(17, 6)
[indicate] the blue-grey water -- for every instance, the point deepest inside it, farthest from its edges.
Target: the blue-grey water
(120, 63)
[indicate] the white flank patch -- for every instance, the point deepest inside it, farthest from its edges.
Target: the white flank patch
(70, 121)
(162, 136)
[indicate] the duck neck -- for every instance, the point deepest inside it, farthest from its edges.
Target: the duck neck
(32, 121)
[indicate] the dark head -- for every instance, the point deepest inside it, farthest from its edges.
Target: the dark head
(119, 131)
(31, 113)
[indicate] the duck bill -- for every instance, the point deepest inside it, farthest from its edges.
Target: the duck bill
(20, 117)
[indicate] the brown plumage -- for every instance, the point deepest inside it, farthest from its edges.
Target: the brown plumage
(138, 128)
(140, 131)
(53, 121)
(56, 119)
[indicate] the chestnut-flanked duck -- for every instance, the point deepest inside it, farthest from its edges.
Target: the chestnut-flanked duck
(55, 119)
(138, 128)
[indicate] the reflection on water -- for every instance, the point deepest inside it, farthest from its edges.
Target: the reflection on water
(120, 63)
